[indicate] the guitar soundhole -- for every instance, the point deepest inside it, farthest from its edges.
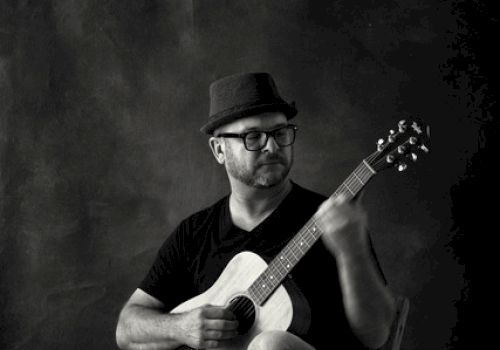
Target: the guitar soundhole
(244, 311)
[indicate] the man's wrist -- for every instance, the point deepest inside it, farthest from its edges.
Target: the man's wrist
(353, 255)
(174, 331)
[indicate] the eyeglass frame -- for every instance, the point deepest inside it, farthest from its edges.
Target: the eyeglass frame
(243, 136)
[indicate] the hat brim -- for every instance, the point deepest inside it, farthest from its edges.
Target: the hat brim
(233, 114)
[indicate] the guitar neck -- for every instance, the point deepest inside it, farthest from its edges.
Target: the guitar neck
(300, 244)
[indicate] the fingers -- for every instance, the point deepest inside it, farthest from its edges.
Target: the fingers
(219, 324)
(207, 345)
(334, 205)
(216, 331)
(341, 203)
(216, 312)
(339, 211)
(340, 199)
(206, 326)
(211, 334)
(223, 325)
(211, 344)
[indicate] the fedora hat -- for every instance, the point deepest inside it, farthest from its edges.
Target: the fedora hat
(243, 95)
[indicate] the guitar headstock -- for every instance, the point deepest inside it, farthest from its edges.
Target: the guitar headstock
(402, 146)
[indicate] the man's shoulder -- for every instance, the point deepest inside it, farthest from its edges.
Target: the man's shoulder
(206, 215)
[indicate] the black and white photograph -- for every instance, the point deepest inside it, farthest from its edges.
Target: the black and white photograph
(246, 174)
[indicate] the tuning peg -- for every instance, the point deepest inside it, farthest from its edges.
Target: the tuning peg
(413, 140)
(401, 149)
(413, 156)
(416, 127)
(402, 126)
(380, 144)
(391, 132)
(402, 167)
(389, 159)
(424, 148)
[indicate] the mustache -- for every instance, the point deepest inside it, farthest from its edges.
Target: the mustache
(274, 158)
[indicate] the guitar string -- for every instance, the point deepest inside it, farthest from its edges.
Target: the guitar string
(308, 234)
(355, 181)
(273, 267)
(352, 180)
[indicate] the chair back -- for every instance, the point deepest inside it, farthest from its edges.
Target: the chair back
(398, 326)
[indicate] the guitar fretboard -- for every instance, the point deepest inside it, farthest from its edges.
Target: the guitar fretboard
(300, 244)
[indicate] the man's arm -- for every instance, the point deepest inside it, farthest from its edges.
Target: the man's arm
(143, 324)
(369, 305)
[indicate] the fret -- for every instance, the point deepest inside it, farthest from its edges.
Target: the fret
(276, 272)
(284, 262)
(253, 294)
(271, 278)
(369, 167)
(292, 251)
(291, 259)
(264, 283)
(310, 239)
(302, 244)
(357, 178)
(313, 230)
(345, 185)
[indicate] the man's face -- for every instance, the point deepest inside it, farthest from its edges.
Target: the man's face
(265, 168)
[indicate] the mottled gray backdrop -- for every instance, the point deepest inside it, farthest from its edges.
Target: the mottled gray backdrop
(101, 157)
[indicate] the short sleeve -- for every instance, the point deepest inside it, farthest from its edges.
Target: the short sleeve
(168, 278)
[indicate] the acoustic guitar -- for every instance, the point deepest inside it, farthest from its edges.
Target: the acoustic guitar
(256, 292)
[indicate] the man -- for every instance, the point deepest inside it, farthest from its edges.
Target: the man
(348, 305)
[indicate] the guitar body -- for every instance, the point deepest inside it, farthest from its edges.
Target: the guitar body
(277, 313)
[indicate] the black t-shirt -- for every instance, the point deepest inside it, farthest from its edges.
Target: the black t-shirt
(195, 254)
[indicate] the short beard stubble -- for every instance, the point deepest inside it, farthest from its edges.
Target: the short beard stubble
(252, 177)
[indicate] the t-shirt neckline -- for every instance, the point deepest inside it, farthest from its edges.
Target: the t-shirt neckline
(228, 224)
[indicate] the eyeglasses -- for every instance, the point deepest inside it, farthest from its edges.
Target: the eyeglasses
(257, 140)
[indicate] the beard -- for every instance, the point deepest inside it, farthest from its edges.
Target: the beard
(268, 171)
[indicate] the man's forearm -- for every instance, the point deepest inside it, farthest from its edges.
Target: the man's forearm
(146, 329)
(368, 303)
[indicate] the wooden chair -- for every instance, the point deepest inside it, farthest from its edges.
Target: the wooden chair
(398, 326)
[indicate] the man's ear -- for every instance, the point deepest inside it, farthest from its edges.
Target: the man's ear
(217, 147)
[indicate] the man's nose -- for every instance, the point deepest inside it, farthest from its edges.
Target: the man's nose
(271, 145)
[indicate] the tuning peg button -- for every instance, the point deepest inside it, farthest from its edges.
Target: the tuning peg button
(389, 159)
(380, 144)
(413, 140)
(401, 149)
(413, 157)
(402, 126)
(402, 167)
(416, 127)
(424, 148)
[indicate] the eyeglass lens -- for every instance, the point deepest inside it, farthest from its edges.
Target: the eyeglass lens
(258, 139)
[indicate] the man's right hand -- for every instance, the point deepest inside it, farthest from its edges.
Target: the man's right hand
(206, 326)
